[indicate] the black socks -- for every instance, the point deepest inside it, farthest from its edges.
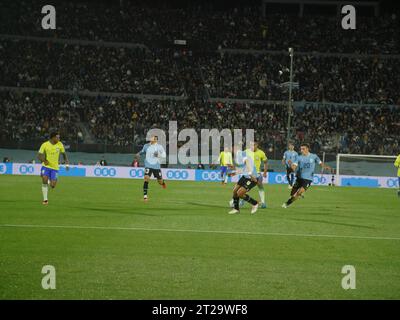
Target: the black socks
(250, 200)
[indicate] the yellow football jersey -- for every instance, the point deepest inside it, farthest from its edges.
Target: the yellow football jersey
(225, 158)
(258, 157)
(52, 153)
(397, 164)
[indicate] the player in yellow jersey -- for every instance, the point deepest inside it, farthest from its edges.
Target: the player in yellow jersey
(397, 165)
(49, 154)
(260, 161)
(226, 162)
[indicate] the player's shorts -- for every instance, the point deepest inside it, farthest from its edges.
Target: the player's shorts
(155, 172)
(246, 183)
(224, 170)
(302, 183)
(48, 172)
(260, 178)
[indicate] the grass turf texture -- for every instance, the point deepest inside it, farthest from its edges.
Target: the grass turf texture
(275, 254)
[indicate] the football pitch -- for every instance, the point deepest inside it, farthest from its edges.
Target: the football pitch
(106, 243)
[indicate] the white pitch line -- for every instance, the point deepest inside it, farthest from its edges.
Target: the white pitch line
(200, 231)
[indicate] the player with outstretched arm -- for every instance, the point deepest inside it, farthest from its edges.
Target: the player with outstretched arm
(49, 155)
(305, 166)
(154, 154)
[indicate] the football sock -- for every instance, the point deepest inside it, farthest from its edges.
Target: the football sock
(45, 189)
(145, 187)
(226, 179)
(290, 201)
(249, 199)
(236, 203)
(261, 192)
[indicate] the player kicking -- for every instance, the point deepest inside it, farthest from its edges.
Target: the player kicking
(290, 156)
(49, 154)
(305, 165)
(258, 156)
(226, 163)
(247, 181)
(154, 154)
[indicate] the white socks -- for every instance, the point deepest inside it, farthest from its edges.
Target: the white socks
(226, 179)
(45, 189)
(262, 195)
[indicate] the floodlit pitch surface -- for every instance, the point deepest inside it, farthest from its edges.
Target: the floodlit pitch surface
(106, 243)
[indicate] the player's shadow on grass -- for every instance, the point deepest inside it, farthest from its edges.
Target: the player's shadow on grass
(205, 205)
(335, 223)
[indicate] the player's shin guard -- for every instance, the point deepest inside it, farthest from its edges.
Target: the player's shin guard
(236, 202)
(45, 190)
(145, 188)
(290, 201)
(249, 199)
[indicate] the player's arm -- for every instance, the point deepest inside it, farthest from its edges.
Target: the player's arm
(161, 154)
(42, 154)
(143, 151)
(265, 167)
(66, 161)
(323, 165)
(42, 158)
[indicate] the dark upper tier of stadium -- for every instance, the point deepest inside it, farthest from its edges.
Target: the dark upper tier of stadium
(111, 70)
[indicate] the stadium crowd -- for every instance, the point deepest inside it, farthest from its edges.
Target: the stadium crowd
(34, 116)
(241, 27)
(184, 73)
(208, 69)
(95, 68)
(336, 79)
(125, 121)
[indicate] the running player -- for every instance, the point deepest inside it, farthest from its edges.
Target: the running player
(226, 163)
(260, 160)
(154, 154)
(290, 156)
(247, 181)
(49, 155)
(397, 165)
(305, 165)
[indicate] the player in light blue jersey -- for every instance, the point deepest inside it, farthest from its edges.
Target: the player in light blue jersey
(154, 154)
(248, 180)
(290, 156)
(305, 165)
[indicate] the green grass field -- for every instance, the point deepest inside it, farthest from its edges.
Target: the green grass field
(106, 243)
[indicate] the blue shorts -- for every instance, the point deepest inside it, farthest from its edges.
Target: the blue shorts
(224, 170)
(50, 173)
